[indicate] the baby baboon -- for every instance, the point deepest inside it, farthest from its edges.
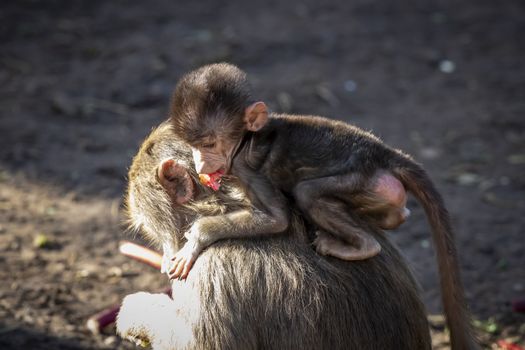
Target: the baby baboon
(331, 169)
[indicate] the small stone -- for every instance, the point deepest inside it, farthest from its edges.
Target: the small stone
(87, 270)
(110, 341)
(56, 268)
(350, 86)
(83, 273)
(425, 244)
(447, 66)
(64, 104)
(41, 241)
(28, 319)
(115, 271)
(28, 254)
(467, 179)
(430, 153)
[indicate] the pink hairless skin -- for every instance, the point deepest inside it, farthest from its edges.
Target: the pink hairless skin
(212, 180)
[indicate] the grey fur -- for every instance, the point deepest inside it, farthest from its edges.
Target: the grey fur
(265, 293)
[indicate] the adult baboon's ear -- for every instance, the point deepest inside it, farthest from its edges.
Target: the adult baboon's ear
(176, 180)
(256, 116)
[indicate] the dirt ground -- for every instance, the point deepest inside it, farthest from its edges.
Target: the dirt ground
(83, 82)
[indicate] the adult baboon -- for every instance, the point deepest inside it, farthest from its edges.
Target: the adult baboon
(269, 293)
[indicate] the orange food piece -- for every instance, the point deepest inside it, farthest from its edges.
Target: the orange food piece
(212, 180)
(505, 345)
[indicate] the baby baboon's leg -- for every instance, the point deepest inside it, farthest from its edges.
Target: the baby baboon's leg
(320, 199)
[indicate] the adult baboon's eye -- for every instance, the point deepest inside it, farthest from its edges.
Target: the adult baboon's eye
(208, 145)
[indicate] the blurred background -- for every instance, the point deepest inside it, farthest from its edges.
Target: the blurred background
(83, 82)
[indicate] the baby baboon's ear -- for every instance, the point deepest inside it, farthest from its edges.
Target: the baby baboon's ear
(176, 180)
(256, 116)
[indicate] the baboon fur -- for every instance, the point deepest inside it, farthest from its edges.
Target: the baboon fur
(264, 293)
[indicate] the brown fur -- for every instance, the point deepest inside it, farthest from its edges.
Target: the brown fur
(150, 209)
(325, 166)
(269, 293)
(205, 91)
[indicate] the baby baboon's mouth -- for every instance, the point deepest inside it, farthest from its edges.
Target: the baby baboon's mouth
(212, 180)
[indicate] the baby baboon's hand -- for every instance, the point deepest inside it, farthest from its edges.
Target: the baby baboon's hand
(184, 259)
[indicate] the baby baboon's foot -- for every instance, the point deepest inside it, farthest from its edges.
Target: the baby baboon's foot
(327, 244)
